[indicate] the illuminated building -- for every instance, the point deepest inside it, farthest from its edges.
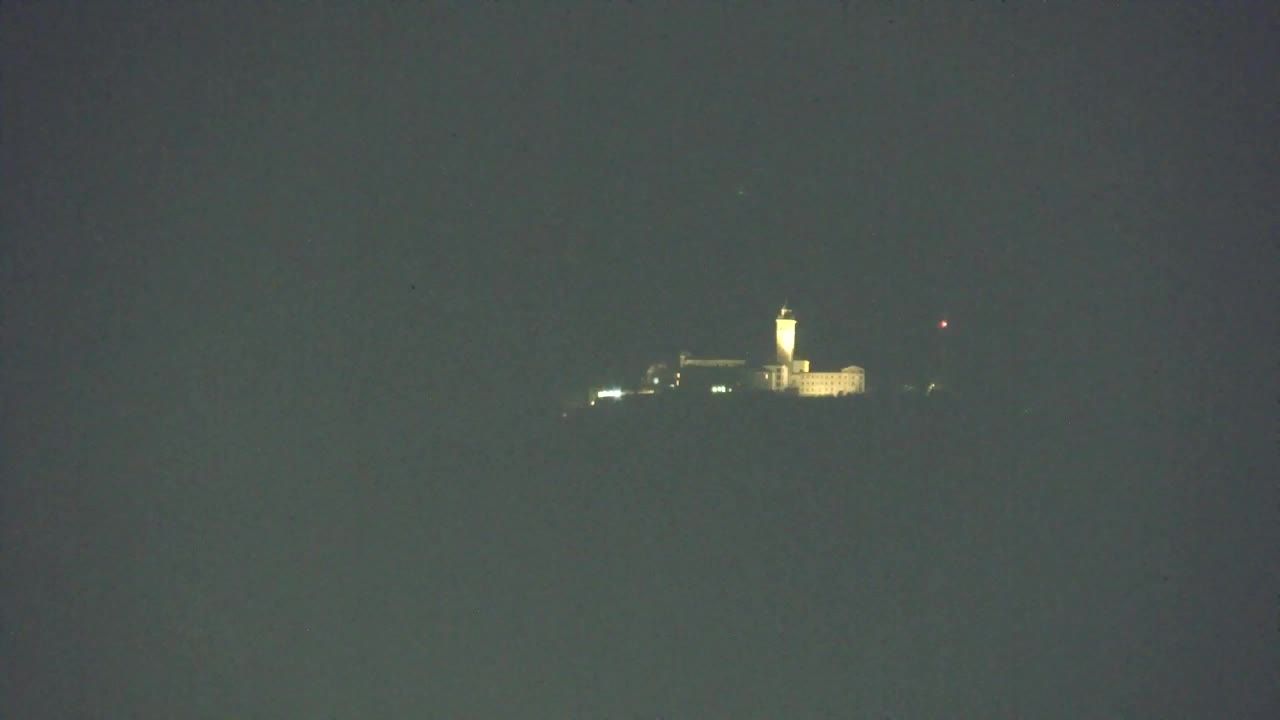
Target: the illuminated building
(723, 376)
(786, 375)
(850, 380)
(794, 376)
(786, 336)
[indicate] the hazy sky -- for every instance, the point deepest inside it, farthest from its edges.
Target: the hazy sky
(300, 225)
(635, 180)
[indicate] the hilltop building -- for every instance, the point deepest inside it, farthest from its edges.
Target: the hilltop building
(786, 374)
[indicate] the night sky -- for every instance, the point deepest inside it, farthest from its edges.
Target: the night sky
(291, 295)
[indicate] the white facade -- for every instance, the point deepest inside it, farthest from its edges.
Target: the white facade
(848, 381)
(792, 375)
(785, 335)
(775, 377)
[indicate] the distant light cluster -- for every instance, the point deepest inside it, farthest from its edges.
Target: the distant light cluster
(786, 374)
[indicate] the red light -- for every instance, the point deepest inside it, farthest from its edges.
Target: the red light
(942, 324)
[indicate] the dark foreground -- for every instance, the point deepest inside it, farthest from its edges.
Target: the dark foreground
(689, 560)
